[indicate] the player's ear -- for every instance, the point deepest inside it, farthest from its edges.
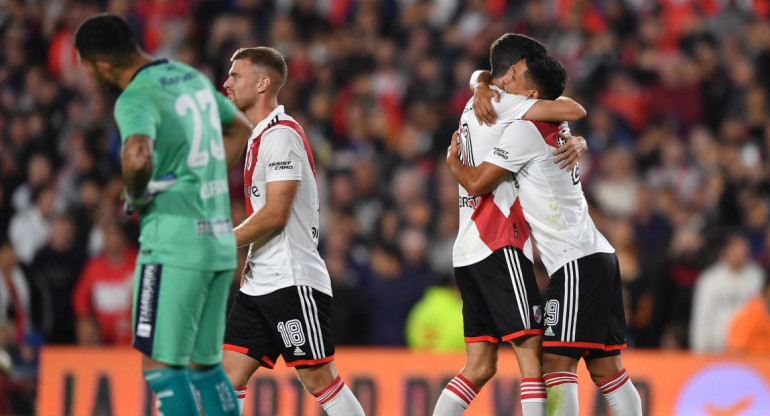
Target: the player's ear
(533, 94)
(263, 84)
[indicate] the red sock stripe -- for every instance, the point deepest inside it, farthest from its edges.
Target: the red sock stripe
(330, 391)
(554, 379)
(608, 386)
(532, 389)
(468, 383)
(462, 388)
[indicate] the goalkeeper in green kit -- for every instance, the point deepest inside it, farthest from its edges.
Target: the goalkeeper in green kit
(179, 138)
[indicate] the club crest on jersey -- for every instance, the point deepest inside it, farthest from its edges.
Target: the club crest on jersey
(538, 313)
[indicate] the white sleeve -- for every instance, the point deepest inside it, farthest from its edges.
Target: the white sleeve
(282, 153)
(519, 144)
(474, 81)
(512, 107)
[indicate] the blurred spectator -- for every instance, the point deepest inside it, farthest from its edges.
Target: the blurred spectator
(14, 293)
(750, 328)
(104, 288)
(55, 271)
(392, 288)
(436, 322)
(29, 229)
(720, 292)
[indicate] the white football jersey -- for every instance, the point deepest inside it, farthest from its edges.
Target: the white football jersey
(279, 151)
(552, 198)
(495, 220)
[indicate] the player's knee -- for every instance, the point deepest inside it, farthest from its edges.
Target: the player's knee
(604, 368)
(316, 378)
(480, 372)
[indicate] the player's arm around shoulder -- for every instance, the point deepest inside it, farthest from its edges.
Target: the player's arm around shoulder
(281, 154)
(555, 111)
(477, 180)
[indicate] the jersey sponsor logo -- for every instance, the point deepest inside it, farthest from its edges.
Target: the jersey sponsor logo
(251, 190)
(537, 312)
(503, 154)
(469, 201)
(281, 165)
(213, 188)
(213, 228)
(170, 81)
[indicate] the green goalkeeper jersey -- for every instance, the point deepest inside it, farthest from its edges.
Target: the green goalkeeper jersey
(189, 225)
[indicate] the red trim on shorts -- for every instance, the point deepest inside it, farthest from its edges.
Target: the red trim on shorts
(615, 347)
(483, 338)
(267, 362)
(585, 345)
(235, 348)
(310, 362)
(522, 333)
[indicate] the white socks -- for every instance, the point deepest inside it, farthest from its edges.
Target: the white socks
(240, 393)
(337, 400)
(533, 398)
(456, 397)
(562, 393)
(621, 394)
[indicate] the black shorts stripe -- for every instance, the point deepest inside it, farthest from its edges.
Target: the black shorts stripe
(309, 327)
(147, 307)
(316, 322)
(521, 301)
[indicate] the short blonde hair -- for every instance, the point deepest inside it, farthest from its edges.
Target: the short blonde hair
(264, 56)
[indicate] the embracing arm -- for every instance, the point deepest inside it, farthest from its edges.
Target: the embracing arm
(272, 218)
(478, 180)
(558, 110)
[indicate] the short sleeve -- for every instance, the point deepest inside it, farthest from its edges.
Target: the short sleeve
(226, 108)
(135, 116)
(281, 152)
(513, 107)
(519, 144)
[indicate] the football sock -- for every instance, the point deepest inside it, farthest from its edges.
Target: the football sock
(216, 393)
(621, 394)
(174, 392)
(240, 392)
(337, 400)
(456, 397)
(533, 398)
(562, 393)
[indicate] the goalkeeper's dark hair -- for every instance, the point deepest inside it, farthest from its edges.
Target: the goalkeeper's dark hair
(264, 56)
(547, 75)
(107, 37)
(511, 48)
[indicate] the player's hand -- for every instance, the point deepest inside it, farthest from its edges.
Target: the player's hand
(569, 153)
(482, 104)
(452, 151)
(131, 204)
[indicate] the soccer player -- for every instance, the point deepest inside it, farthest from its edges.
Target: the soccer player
(171, 122)
(283, 305)
(493, 255)
(584, 305)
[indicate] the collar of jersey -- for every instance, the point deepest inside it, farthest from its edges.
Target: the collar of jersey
(265, 121)
(149, 64)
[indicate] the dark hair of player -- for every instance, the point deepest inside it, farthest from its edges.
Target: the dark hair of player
(107, 37)
(511, 48)
(264, 56)
(547, 75)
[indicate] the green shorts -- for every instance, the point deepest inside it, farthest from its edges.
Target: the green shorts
(179, 314)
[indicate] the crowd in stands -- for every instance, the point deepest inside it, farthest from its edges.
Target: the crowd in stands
(677, 172)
